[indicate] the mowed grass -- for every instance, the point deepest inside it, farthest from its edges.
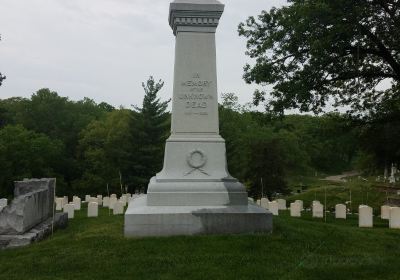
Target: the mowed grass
(299, 248)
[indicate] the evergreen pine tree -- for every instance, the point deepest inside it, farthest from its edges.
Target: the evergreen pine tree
(150, 127)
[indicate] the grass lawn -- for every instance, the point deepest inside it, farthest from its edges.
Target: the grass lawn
(299, 248)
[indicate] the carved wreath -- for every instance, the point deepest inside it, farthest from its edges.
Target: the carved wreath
(196, 165)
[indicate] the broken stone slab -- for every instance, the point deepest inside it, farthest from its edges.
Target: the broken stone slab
(32, 205)
(36, 234)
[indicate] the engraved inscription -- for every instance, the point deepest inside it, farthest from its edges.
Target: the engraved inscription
(196, 101)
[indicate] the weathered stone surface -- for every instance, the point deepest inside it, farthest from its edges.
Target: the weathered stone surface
(77, 203)
(100, 200)
(106, 201)
(113, 200)
(36, 234)
(295, 209)
(317, 210)
(143, 220)
(301, 203)
(33, 204)
(93, 209)
(365, 216)
(59, 203)
(118, 208)
(195, 177)
(281, 203)
(3, 202)
(340, 211)
(273, 207)
(385, 212)
(394, 221)
(70, 210)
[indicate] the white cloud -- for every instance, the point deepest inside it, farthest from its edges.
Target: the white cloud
(104, 49)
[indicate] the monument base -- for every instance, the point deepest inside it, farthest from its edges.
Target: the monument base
(143, 220)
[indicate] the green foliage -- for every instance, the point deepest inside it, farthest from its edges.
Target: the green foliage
(298, 248)
(318, 51)
(149, 130)
(266, 169)
(105, 150)
(26, 154)
(381, 133)
(275, 149)
(59, 119)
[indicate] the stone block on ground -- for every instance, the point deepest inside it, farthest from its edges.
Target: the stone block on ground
(295, 209)
(118, 208)
(385, 212)
(77, 203)
(340, 211)
(394, 221)
(93, 209)
(59, 203)
(112, 202)
(65, 200)
(106, 201)
(317, 210)
(33, 203)
(281, 203)
(273, 207)
(70, 210)
(301, 203)
(100, 200)
(35, 234)
(365, 216)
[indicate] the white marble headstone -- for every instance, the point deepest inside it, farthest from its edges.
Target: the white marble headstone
(394, 221)
(273, 207)
(365, 216)
(295, 209)
(93, 209)
(317, 210)
(70, 209)
(77, 203)
(340, 211)
(385, 212)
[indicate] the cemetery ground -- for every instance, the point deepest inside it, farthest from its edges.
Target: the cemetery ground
(298, 248)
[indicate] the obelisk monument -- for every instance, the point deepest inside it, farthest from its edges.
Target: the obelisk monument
(194, 193)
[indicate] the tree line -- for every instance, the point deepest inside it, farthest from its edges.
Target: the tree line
(88, 146)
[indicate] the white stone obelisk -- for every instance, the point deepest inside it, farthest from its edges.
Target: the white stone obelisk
(195, 169)
(194, 189)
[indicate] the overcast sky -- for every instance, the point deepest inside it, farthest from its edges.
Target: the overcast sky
(105, 49)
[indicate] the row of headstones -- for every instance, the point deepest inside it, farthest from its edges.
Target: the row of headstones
(112, 202)
(365, 212)
(3, 203)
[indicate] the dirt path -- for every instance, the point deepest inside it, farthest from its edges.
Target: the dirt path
(340, 178)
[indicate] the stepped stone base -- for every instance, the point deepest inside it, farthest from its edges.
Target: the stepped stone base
(35, 234)
(143, 220)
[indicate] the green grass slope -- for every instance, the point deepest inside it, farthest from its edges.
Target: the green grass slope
(370, 193)
(299, 248)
